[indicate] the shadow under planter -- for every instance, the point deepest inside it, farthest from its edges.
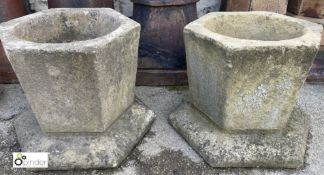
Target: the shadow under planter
(79, 79)
(245, 71)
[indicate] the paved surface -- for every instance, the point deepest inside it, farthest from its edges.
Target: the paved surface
(163, 151)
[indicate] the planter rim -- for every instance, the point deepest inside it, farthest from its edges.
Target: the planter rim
(311, 32)
(11, 41)
(161, 3)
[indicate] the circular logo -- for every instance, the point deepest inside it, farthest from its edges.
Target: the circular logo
(18, 162)
(19, 159)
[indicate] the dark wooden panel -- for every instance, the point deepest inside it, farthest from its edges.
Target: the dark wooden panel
(308, 8)
(294, 6)
(9, 9)
(157, 77)
(80, 3)
(162, 58)
(238, 5)
(316, 73)
(278, 6)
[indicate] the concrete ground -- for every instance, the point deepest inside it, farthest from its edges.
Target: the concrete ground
(163, 151)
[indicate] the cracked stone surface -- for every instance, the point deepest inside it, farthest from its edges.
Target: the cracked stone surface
(170, 154)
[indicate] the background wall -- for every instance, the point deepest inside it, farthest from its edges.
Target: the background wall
(126, 6)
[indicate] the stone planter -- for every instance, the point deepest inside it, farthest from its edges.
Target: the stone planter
(245, 71)
(77, 68)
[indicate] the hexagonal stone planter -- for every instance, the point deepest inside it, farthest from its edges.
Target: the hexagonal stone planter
(245, 70)
(77, 68)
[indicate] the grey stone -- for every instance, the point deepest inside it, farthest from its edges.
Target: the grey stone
(76, 66)
(12, 101)
(86, 150)
(285, 149)
(207, 6)
(38, 5)
(245, 69)
(124, 6)
(7, 134)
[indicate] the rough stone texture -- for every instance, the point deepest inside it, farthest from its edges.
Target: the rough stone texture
(7, 135)
(84, 150)
(163, 151)
(219, 148)
(124, 6)
(245, 73)
(38, 5)
(77, 77)
(206, 6)
(12, 101)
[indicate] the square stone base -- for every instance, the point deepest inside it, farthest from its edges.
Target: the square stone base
(284, 149)
(86, 150)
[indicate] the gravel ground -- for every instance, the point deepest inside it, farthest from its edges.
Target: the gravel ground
(163, 151)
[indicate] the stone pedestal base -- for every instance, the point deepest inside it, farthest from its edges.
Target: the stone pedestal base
(219, 148)
(86, 150)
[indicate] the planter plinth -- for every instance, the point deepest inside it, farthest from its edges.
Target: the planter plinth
(283, 149)
(86, 150)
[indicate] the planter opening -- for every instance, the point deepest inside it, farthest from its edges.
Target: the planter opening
(254, 27)
(66, 27)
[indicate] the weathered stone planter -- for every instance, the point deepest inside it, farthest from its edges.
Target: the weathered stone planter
(245, 71)
(77, 68)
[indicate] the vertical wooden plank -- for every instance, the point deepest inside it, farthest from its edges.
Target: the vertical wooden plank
(238, 5)
(308, 8)
(9, 9)
(294, 6)
(278, 6)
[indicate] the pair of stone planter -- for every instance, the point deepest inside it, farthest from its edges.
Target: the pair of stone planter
(245, 71)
